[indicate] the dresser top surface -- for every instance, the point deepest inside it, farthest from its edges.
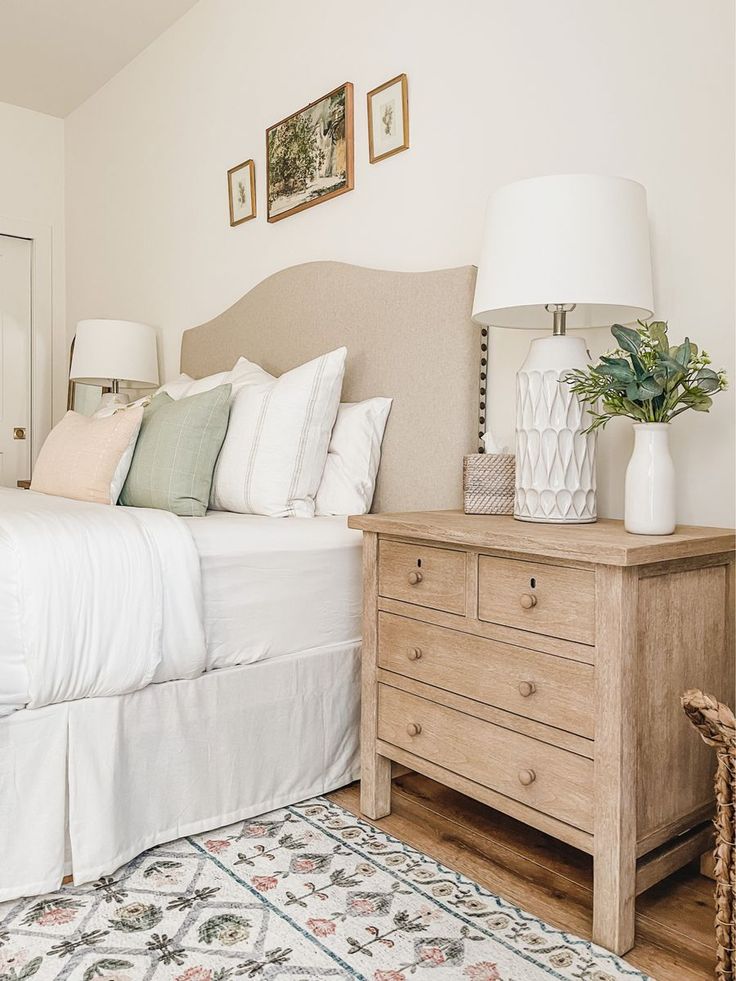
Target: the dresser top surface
(604, 542)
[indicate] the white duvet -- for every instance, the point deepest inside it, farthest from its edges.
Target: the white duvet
(66, 570)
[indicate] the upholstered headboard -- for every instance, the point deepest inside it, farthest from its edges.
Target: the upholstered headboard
(409, 336)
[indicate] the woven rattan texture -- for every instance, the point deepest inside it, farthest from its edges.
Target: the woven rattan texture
(716, 724)
(488, 483)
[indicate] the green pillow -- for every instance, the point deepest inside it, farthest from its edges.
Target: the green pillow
(176, 452)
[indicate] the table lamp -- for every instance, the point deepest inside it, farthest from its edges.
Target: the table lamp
(571, 250)
(114, 352)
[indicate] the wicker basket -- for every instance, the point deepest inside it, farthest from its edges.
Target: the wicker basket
(488, 483)
(717, 726)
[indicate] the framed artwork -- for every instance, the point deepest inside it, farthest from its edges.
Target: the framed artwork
(241, 189)
(309, 155)
(388, 119)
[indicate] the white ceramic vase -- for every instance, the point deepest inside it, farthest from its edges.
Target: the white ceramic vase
(649, 507)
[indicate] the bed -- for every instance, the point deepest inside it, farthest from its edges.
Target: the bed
(272, 717)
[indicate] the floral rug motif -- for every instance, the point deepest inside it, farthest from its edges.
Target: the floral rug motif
(303, 893)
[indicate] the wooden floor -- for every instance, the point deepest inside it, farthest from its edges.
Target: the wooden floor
(674, 924)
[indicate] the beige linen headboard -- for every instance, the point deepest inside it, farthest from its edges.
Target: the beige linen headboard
(409, 336)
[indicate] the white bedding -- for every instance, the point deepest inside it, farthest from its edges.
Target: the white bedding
(207, 593)
(128, 772)
(275, 586)
(89, 782)
(67, 570)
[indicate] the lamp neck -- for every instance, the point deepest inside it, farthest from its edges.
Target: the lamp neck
(559, 313)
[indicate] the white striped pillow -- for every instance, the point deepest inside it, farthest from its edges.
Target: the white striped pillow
(276, 445)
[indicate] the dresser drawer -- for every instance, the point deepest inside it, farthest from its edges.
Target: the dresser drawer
(546, 599)
(544, 777)
(549, 689)
(421, 574)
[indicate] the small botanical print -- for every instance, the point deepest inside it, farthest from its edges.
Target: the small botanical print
(241, 188)
(310, 154)
(388, 118)
(305, 892)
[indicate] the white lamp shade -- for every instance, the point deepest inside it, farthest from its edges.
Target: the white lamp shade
(572, 238)
(109, 350)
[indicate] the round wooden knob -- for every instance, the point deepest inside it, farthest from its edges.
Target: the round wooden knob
(528, 600)
(527, 688)
(414, 653)
(413, 728)
(527, 777)
(414, 578)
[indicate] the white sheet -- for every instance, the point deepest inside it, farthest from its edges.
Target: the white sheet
(274, 586)
(170, 760)
(67, 570)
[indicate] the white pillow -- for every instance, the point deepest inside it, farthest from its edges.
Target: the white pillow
(277, 439)
(177, 387)
(121, 471)
(244, 372)
(352, 463)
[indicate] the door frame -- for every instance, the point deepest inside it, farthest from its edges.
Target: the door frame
(42, 325)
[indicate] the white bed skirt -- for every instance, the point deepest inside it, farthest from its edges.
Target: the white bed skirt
(103, 779)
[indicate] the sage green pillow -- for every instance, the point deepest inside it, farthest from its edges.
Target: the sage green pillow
(176, 452)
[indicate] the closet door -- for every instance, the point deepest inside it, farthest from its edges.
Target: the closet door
(15, 360)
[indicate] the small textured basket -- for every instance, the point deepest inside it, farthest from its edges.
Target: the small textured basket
(488, 483)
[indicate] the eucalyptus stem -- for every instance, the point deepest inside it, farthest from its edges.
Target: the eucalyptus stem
(645, 378)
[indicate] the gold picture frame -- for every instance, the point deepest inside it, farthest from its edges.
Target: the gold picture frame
(325, 169)
(388, 134)
(242, 198)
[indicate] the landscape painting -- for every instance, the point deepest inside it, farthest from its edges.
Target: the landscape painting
(309, 155)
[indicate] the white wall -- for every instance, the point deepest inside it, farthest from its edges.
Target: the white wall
(497, 90)
(32, 190)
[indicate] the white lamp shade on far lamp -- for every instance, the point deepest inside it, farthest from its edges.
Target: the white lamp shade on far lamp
(112, 352)
(572, 249)
(573, 238)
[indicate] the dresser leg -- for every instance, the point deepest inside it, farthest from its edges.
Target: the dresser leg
(375, 770)
(614, 900)
(375, 785)
(614, 832)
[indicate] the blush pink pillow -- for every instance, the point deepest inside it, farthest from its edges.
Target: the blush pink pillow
(84, 457)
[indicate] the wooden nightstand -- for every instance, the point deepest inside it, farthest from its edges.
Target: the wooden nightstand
(539, 668)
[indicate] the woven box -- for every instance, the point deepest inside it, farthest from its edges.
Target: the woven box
(488, 483)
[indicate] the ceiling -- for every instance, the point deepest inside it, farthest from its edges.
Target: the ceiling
(55, 53)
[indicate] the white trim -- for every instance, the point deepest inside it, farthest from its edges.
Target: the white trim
(42, 334)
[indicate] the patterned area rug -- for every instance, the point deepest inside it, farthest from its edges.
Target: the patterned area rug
(305, 892)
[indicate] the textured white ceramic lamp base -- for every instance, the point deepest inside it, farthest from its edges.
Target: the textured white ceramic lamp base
(555, 462)
(112, 400)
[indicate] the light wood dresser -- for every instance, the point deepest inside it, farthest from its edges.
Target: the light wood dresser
(539, 669)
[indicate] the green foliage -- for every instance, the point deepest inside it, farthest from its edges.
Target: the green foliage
(160, 866)
(227, 928)
(104, 966)
(645, 378)
(136, 916)
(27, 971)
(293, 155)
